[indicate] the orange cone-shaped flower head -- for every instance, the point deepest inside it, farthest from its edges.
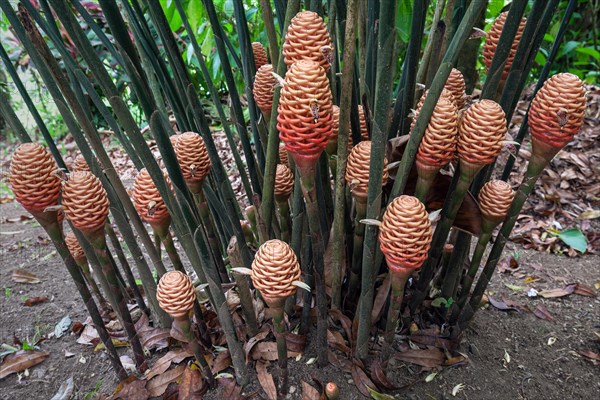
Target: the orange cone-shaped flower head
(283, 155)
(193, 159)
(264, 87)
(284, 182)
(85, 202)
(75, 248)
(148, 201)
(307, 38)
(495, 198)
(557, 111)
(405, 233)
(260, 54)
(357, 170)
(176, 294)
(481, 132)
(305, 121)
(493, 37)
(274, 269)
(33, 179)
(456, 86)
(79, 164)
(439, 140)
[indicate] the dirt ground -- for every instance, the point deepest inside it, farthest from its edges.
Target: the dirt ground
(510, 354)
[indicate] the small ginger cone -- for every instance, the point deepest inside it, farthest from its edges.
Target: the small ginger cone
(85, 204)
(149, 203)
(332, 145)
(79, 164)
(556, 114)
(81, 260)
(264, 87)
(274, 270)
(34, 182)
(307, 38)
(283, 156)
(437, 146)
(481, 132)
(456, 86)
(260, 54)
(357, 178)
(446, 94)
(495, 198)
(305, 112)
(404, 239)
(284, 186)
(176, 295)
(493, 37)
(193, 159)
(357, 171)
(364, 130)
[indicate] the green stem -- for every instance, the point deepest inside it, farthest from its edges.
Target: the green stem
(455, 265)
(183, 323)
(439, 237)
(267, 15)
(399, 278)
(467, 282)
(243, 286)
(55, 232)
(213, 240)
(357, 252)
(280, 331)
(380, 125)
(98, 241)
(284, 219)
(534, 169)
(114, 240)
(87, 274)
(421, 73)
(268, 196)
(309, 189)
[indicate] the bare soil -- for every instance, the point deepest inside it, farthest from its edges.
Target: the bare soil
(510, 354)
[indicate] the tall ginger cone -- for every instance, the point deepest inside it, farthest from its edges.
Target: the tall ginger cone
(495, 198)
(284, 186)
(437, 146)
(36, 186)
(177, 296)
(305, 126)
(86, 206)
(34, 182)
(556, 115)
(275, 270)
(455, 84)
(260, 54)
(79, 164)
(491, 43)
(264, 88)
(149, 204)
(357, 179)
(404, 239)
(195, 165)
(307, 38)
(81, 260)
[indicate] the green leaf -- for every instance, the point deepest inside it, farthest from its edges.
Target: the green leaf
(404, 19)
(378, 396)
(438, 302)
(574, 238)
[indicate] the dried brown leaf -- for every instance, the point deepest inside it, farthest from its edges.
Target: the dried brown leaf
(249, 345)
(158, 385)
(21, 276)
(309, 392)
(340, 362)
(429, 358)
(266, 380)
(501, 305)
(295, 342)
(559, 292)
(361, 380)
(584, 290)
(35, 300)
(192, 385)
(231, 391)
(163, 363)
(378, 376)
(431, 337)
(380, 299)
(131, 389)
(335, 339)
(542, 313)
(268, 351)
(221, 362)
(591, 355)
(20, 361)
